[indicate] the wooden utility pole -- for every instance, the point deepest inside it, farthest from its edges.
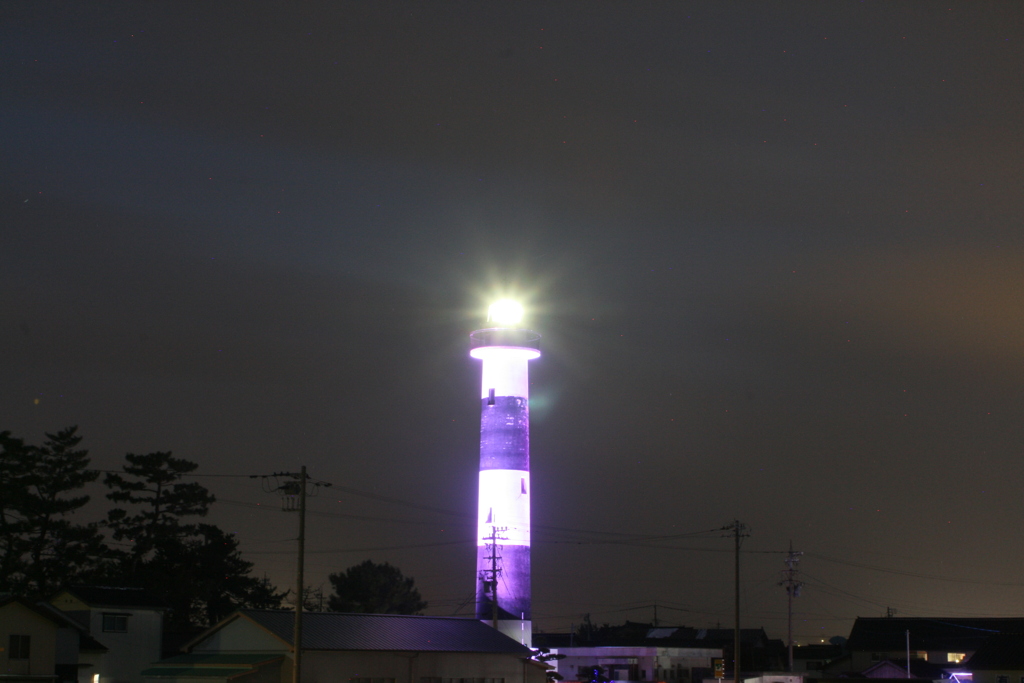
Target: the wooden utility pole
(293, 496)
(490, 577)
(300, 592)
(738, 530)
(792, 585)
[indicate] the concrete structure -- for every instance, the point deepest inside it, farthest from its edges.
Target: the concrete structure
(127, 621)
(255, 646)
(670, 664)
(39, 643)
(503, 528)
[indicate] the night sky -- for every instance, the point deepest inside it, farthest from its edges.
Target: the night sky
(775, 251)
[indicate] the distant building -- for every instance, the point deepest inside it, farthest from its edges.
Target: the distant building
(644, 652)
(255, 646)
(1000, 659)
(637, 663)
(812, 659)
(127, 621)
(945, 642)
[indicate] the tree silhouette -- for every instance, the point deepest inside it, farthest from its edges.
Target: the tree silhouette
(153, 485)
(40, 488)
(372, 588)
(194, 568)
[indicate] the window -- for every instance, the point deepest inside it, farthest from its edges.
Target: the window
(19, 646)
(1002, 679)
(115, 623)
(955, 657)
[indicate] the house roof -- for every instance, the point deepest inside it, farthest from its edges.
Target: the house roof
(1003, 652)
(204, 672)
(85, 641)
(919, 668)
(206, 659)
(881, 634)
(381, 632)
(43, 610)
(209, 665)
(115, 596)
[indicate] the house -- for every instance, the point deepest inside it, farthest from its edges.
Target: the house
(812, 658)
(129, 623)
(1000, 659)
(40, 643)
(255, 646)
(919, 669)
(947, 642)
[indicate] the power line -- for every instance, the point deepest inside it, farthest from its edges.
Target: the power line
(916, 575)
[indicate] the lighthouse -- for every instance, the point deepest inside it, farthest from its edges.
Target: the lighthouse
(503, 521)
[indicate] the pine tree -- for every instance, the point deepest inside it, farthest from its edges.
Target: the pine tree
(153, 485)
(195, 568)
(43, 548)
(375, 589)
(14, 471)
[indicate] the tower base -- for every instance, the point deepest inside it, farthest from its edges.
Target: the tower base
(519, 630)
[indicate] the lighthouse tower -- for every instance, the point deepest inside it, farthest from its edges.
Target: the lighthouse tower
(503, 522)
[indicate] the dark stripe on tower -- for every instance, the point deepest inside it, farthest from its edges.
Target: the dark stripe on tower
(505, 433)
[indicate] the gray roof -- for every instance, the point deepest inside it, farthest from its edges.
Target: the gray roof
(1001, 652)
(389, 632)
(115, 596)
(954, 634)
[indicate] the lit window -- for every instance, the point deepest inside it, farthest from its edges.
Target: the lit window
(920, 654)
(955, 657)
(115, 623)
(19, 646)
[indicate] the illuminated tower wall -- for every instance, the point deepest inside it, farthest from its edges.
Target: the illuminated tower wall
(504, 503)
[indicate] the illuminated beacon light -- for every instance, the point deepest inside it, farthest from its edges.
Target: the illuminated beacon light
(505, 312)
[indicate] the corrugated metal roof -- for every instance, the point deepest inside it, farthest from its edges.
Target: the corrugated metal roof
(214, 666)
(177, 672)
(393, 632)
(217, 659)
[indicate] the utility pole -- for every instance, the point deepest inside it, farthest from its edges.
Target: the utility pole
(293, 499)
(739, 532)
(793, 586)
(490, 576)
(908, 653)
(299, 591)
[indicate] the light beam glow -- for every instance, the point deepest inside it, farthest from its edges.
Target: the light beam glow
(505, 312)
